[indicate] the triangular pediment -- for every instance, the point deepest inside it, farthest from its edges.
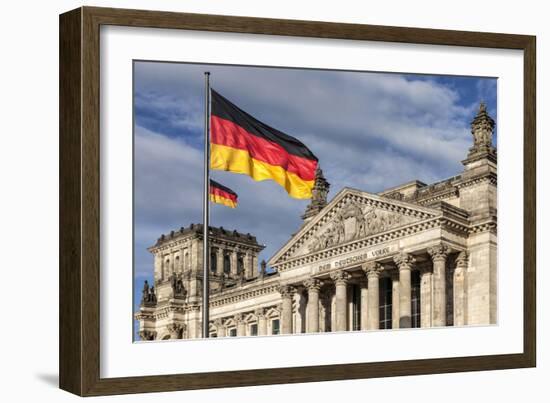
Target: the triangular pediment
(352, 215)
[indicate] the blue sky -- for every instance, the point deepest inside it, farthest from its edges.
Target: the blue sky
(369, 130)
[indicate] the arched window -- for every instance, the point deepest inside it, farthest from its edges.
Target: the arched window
(213, 262)
(226, 264)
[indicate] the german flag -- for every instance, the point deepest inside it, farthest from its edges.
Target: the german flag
(242, 144)
(222, 195)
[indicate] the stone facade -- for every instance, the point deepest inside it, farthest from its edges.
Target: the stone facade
(415, 255)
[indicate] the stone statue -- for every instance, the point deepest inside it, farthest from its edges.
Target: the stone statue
(152, 296)
(145, 293)
(178, 290)
(263, 268)
(340, 229)
(148, 296)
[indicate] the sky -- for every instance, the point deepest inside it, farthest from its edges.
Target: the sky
(370, 131)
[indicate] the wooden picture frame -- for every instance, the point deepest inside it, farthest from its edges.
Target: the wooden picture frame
(80, 200)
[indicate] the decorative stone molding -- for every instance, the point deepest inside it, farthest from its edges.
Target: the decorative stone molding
(404, 261)
(319, 195)
(372, 269)
(439, 252)
(218, 322)
(462, 259)
(239, 318)
(313, 284)
(147, 335)
(340, 277)
(482, 132)
(260, 312)
(241, 296)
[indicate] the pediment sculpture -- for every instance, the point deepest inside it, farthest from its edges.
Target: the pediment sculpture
(355, 222)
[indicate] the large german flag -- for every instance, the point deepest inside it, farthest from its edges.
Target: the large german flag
(242, 144)
(222, 195)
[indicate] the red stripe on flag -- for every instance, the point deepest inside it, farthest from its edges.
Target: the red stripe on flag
(219, 192)
(227, 133)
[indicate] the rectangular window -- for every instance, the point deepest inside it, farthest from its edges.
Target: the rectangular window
(385, 303)
(356, 298)
(275, 326)
(233, 332)
(254, 329)
(415, 299)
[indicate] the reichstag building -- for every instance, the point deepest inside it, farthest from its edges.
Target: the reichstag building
(415, 255)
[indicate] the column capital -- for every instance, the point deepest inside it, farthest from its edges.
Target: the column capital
(340, 277)
(439, 252)
(218, 322)
(462, 259)
(404, 261)
(372, 269)
(147, 334)
(286, 291)
(175, 329)
(313, 284)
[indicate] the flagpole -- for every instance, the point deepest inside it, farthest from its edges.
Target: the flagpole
(206, 213)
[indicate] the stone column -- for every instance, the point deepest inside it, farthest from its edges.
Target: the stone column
(395, 301)
(233, 263)
(459, 291)
(262, 321)
(340, 279)
(426, 297)
(404, 262)
(287, 294)
(219, 261)
(373, 270)
(364, 304)
(439, 256)
(241, 325)
(220, 328)
(312, 310)
(175, 330)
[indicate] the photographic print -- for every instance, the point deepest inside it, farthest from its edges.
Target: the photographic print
(337, 201)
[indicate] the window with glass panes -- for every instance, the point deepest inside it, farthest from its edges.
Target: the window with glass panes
(233, 332)
(385, 303)
(275, 326)
(254, 329)
(415, 299)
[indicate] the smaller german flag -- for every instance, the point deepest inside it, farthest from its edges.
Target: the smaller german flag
(222, 195)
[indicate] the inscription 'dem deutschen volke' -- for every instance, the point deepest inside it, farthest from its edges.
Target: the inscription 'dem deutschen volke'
(360, 258)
